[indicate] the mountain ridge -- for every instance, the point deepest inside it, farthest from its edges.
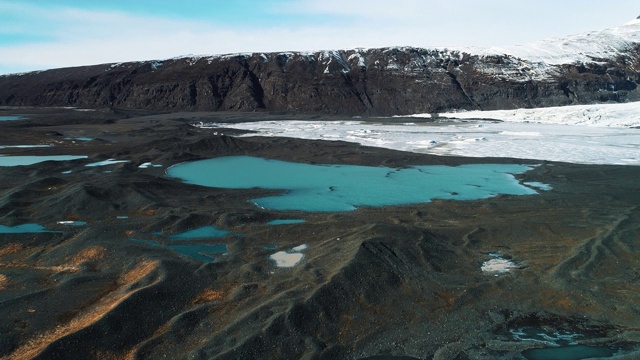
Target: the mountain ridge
(379, 81)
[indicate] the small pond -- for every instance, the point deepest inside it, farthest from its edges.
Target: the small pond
(286, 221)
(24, 146)
(11, 118)
(200, 233)
(570, 352)
(331, 188)
(560, 345)
(200, 252)
(23, 229)
(30, 160)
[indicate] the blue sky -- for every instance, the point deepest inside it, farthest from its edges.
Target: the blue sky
(43, 34)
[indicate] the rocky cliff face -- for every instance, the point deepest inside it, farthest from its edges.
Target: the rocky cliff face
(387, 81)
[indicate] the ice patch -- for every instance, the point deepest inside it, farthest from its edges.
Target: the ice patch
(72, 223)
(148, 165)
(284, 259)
(300, 248)
(520, 133)
(498, 265)
(552, 141)
(623, 115)
(107, 162)
(538, 185)
(287, 259)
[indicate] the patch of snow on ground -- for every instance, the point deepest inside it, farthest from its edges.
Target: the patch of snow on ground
(148, 165)
(107, 162)
(290, 258)
(538, 185)
(498, 266)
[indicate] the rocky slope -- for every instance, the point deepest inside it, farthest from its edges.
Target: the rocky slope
(593, 67)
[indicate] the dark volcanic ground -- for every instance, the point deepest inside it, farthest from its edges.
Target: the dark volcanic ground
(393, 281)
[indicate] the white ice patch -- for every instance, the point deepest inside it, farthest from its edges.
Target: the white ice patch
(538, 185)
(107, 162)
(71, 223)
(288, 259)
(285, 259)
(498, 266)
(623, 115)
(552, 142)
(521, 133)
(148, 165)
(300, 248)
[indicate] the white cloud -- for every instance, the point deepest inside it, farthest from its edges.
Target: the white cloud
(382, 9)
(81, 37)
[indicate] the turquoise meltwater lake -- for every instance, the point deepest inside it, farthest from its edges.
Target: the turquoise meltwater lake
(203, 232)
(10, 118)
(30, 160)
(23, 229)
(335, 188)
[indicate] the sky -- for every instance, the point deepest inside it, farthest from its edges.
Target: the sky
(45, 34)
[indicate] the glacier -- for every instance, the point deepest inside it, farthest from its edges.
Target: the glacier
(566, 134)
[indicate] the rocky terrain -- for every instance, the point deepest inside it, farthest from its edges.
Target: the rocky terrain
(401, 282)
(389, 81)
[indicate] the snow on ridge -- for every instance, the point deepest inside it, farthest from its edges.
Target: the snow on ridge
(358, 55)
(579, 48)
(623, 115)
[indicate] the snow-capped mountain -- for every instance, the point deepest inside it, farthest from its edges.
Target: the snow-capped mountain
(587, 47)
(595, 67)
